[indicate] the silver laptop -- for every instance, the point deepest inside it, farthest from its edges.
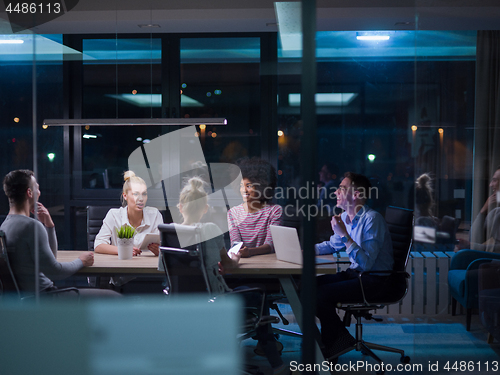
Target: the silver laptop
(287, 245)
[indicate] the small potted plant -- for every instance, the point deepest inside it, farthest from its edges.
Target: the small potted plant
(125, 241)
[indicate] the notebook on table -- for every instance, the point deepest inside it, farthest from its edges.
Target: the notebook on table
(287, 245)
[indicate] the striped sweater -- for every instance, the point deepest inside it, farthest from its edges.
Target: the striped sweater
(253, 228)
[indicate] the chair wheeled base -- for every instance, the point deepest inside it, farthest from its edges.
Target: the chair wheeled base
(366, 347)
(400, 226)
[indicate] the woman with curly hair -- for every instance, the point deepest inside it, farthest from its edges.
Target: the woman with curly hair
(424, 201)
(250, 221)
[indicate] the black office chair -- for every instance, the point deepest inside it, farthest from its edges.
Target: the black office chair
(8, 283)
(184, 266)
(400, 224)
(186, 273)
(95, 217)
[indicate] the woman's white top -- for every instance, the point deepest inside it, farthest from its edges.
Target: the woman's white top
(116, 217)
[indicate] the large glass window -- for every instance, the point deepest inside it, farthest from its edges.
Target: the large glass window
(220, 77)
(121, 79)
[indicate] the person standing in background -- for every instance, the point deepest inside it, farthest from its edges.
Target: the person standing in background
(487, 222)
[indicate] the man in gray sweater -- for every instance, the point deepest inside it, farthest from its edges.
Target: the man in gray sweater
(23, 233)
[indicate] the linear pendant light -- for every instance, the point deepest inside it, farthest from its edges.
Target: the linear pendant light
(135, 121)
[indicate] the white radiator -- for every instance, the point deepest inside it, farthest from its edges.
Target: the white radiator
(428, 292)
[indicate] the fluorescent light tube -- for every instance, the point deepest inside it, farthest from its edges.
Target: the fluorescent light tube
(11, 41)
(324, 99)
(373, 37)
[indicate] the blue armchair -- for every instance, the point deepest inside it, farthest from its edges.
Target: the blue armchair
(489, 298)
(463, 279)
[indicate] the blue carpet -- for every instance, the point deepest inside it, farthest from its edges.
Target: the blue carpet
(431, 342)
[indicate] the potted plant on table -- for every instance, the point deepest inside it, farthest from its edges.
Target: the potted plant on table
(125, 241)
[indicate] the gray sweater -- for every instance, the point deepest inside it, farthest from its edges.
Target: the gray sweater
(20, 237)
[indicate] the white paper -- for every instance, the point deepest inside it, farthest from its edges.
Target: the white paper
(150, 238)
(235, 248)
(424, 234)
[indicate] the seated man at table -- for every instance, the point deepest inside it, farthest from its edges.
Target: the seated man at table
(363, 234)
(23, 234)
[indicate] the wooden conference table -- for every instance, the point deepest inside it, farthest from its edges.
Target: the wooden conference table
(261, 265)
(147, 264)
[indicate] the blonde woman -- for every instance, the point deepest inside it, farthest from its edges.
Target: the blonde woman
(193, 204)
(133, 212)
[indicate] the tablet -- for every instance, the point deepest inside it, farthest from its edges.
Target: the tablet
(150, 238)
(234, 250)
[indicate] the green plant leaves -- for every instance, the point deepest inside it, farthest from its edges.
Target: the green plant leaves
(125, 231)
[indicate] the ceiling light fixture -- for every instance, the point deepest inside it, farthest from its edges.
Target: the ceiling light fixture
(135, 121)
(325, 99)
(152, 100)
(406, 23)
(374, 35)
(149, 25)
(11, 41)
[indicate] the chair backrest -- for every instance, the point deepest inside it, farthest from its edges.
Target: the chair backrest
(400, 224)
(184, 266)
(449, 225)
(8, 284)
(95, 217)
(186, 272)
(292, 220)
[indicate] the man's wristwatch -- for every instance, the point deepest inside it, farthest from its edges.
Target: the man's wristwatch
(345, 239)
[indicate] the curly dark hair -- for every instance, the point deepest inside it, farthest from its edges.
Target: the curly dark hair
(15, 185)
(261, 174)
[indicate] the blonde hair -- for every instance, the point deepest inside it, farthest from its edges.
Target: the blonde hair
(193, 197)
(129, 177)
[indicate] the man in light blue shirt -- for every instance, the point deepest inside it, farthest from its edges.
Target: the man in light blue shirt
(371, 247)
(363, 234)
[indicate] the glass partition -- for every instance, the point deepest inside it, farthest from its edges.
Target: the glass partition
(32, 86)
(390, 109)
(414, 110)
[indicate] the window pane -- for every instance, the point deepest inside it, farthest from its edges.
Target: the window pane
(220, 77)
(121, 79)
